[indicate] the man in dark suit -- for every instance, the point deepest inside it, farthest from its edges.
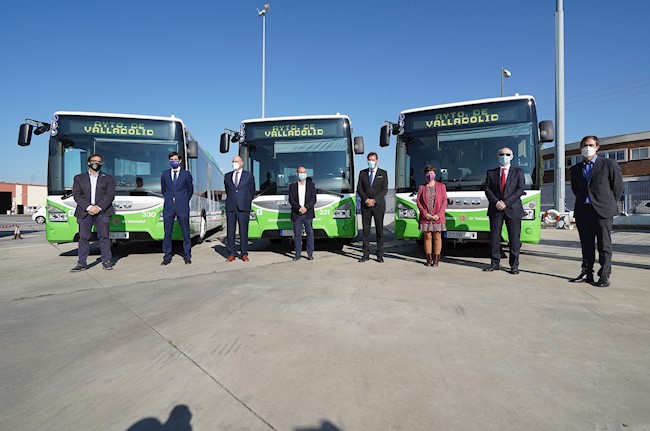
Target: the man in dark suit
(177, 188)
(240, 191)
(302, 198)
(504, 187)
(94, 192)
(372, 188)
(597, 184)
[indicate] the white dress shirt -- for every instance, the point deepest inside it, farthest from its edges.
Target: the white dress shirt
(302, 189)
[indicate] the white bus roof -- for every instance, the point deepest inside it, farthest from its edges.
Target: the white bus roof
(113, 115)
(468, 102)
(298, 117)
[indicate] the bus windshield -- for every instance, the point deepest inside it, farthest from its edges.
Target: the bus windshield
(324, 150)
(462, 157)
(135, 160)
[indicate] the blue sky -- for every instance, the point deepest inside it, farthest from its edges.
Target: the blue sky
(201, 61)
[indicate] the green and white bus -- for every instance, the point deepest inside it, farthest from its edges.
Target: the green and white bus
(462, 140)
(273, 148)
(135, 149)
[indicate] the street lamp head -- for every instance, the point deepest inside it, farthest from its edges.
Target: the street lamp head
(506, 73)
(267, 7)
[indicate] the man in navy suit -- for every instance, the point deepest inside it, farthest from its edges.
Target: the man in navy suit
(240, 191)
(504, 187)
(302, 198)
(372, 189)
(94, 192)
(177, 187)
(597, 184)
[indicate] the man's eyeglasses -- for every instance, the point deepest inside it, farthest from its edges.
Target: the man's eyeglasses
(505, 154)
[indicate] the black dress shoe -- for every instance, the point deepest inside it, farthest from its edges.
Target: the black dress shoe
(188, 261)
(380, 259)
(296, 258)
(364, 259)
(165, 262)
(492, 268)
(80, 267)
(602, 282)
(587, 277)
(514, 270)
(310, 257)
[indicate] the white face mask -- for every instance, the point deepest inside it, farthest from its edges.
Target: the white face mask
(588, 152)
(235, 165)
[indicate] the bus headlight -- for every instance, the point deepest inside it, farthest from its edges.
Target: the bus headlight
(55, 214)
(405, 212)
(343, 211)
(252, 216)
(529, 214)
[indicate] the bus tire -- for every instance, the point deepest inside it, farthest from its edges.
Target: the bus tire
(203, 225)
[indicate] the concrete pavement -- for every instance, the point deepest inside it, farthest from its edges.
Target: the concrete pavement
(330, 344)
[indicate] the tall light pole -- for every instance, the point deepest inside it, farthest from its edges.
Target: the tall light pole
(505, 73)
(560, 190)
(262, 13)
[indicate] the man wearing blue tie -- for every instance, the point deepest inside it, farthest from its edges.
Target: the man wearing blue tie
(177, 188)
(597, 184)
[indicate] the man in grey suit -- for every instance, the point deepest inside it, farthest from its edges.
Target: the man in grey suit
(94, 192)
(597, 184)
(504, 187)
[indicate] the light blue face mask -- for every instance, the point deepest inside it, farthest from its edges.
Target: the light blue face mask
(302, 176)
(504, 160)
(371, 164)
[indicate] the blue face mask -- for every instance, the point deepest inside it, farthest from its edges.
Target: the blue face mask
(302, 176)
(371, 164)
(504, 160)
(174, 163)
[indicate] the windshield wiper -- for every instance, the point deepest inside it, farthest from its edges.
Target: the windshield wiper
(66, 195)
(330, 192)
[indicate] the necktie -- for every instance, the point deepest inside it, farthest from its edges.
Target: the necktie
(371, 177)
(503, 180)
(588, 167)
(175, 176)
(236, 179)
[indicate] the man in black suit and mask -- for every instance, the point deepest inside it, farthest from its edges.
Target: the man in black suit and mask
(504, 187)
(372, 188)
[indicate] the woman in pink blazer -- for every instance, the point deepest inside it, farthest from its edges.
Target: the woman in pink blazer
(432, 203)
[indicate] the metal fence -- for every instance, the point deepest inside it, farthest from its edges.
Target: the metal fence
(635, 200)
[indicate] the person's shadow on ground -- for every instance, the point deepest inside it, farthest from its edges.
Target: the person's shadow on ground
(179, 420)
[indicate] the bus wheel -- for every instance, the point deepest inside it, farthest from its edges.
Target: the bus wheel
(202, 231)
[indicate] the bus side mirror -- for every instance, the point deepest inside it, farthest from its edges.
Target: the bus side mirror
(192, 150)
(224, 145)
(384, 136)
(358, 145)
(25, 134)
(546, 131)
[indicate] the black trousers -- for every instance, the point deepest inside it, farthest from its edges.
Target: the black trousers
(101, 222)
(367, 214)
(513, 226)
(595, 230)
